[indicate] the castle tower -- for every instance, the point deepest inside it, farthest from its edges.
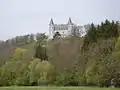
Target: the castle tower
(70, 26)
(51, 28)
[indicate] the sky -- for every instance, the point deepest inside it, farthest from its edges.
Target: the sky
(20, 17)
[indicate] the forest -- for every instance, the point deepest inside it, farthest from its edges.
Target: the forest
(89, 60)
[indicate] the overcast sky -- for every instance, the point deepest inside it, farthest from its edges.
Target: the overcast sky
(19, 17)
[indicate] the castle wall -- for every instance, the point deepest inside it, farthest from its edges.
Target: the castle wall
(64, 29)
(63, 33)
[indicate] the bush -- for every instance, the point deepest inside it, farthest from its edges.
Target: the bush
(7, 77)
(62, 80)
(91, 76)
(41, 72)
(117, 46)
(45, 71)
(23, 80)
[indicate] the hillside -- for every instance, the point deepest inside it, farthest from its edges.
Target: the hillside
(7, 52)
(26, 41)
(92, 60)
(68, 52)
(65, 54)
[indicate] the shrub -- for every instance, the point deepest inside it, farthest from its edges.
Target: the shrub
(41, 72)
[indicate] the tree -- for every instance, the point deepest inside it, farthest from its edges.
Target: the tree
(104, 31)
(92, 33)
(109, 71)
(90, 37)
(19, 53)
(41, 37)
(41, 72)
(93, 73)
(57, 35)
(31, 38)
(45, 72)
(15, 70)
(87, 27)
(41, 52)
(41, 47)
(117, 46)
(32, 73)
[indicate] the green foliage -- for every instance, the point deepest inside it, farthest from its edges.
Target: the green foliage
(14, 72)
(78, 78)
(116, 55)
(117, 46)
(92, 33)
(41, 37)
(41, 71)
(101, 72)
(45, 66)
(7, 77)
(104, 31)
(93, 73)
(46, 71)
(41, 52)
(41, 47)
(31, 68)
(110, 67)
(70, 78)
(23, 80)
(98, 65)
(19, 53)
(56, 88)
(62, 79)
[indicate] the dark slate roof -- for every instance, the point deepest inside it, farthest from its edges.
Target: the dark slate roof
(51, 22)
(70, 22)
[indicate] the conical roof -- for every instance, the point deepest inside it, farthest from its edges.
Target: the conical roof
(70, 21)
(51, 22)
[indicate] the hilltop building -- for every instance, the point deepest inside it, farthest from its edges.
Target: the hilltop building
(64, 29)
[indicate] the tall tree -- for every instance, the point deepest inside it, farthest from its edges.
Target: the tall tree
(41, 52)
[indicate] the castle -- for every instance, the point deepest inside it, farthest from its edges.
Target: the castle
(64, 29)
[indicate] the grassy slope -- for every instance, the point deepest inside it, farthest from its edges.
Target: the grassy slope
(56, 88)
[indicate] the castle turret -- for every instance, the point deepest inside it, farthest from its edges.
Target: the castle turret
(70, 26)
(51, 28)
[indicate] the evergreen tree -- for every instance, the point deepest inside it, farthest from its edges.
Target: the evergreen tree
(41, 52)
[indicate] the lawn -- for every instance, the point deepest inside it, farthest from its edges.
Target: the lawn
(56, 88)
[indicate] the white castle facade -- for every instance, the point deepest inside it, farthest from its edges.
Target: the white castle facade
(64, 29)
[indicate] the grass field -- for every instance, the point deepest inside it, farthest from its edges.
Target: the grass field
(56, 88)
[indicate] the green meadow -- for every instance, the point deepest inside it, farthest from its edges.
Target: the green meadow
(56, 88)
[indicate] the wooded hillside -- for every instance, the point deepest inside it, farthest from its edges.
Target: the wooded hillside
(93, 59)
